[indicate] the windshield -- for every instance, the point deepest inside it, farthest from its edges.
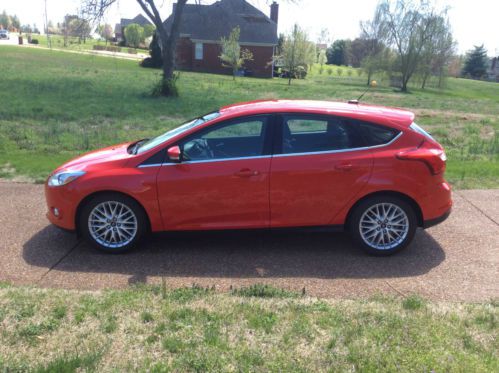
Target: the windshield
(149, 144)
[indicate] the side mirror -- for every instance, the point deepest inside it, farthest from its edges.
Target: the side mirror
(174, 153)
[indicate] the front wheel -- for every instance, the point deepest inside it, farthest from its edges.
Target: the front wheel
(383, 225)
(113, 223)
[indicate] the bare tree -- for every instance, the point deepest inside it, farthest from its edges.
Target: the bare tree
(437, 52)
(409, 25)
(374, 32)
(167, 37)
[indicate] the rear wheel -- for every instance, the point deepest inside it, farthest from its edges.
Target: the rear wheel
(113, 223)
(383, 225)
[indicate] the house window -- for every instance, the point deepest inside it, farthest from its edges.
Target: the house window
(199, 51)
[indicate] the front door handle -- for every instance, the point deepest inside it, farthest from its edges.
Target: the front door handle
(246, 172)
(344, 166)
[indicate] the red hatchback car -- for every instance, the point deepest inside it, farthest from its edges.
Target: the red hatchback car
(269, 164)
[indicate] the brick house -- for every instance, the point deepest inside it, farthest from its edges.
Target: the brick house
(202, 27)
(119, 29)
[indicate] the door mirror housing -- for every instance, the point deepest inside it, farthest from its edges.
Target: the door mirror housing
(174, 153)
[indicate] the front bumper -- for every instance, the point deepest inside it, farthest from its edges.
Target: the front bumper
(63, 200)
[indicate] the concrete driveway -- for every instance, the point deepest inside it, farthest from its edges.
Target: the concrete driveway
(457, 260)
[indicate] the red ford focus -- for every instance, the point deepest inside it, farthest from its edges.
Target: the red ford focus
(272, 164)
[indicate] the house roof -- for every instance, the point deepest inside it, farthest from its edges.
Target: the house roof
(212, 22)
(139, 19)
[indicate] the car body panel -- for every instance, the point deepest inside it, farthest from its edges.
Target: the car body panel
(215, 195)
(288, 190)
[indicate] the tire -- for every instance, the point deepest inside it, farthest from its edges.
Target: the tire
(368, 226)
(127, 224)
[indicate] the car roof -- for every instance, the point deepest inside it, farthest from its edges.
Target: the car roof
(371, 113)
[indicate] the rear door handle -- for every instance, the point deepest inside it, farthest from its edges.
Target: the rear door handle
(246, 172)
(344, 166)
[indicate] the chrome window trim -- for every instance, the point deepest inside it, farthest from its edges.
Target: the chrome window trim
(275, 155)
(341, 150)
(149, 165)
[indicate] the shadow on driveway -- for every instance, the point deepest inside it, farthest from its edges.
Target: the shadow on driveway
(247, 254)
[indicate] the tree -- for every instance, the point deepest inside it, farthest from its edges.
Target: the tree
(297, 53)
(475, 65)
(408, 26)
(232, 56)
(376, 56)
(322, 59)
(134, 35)
(437, 52)
(167, 34)
(105, 32)
(148, 30)
(337, 54)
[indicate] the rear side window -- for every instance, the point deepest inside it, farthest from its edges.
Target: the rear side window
(310, 134)
(374, 134)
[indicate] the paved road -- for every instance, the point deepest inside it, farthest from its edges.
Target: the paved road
(457, 260)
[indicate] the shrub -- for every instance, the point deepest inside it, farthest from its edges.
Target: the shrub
(329, 71)
(34, 41)
(155, 60)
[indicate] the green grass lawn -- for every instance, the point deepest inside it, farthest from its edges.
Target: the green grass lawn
(258, 329)
(57, 42)
(55, 105)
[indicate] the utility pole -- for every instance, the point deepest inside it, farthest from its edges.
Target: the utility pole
(49, 44)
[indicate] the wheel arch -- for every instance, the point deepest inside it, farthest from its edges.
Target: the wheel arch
(87, 198)
(390, 193)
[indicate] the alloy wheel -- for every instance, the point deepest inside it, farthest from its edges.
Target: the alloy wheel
(384, 226)
(112, 224)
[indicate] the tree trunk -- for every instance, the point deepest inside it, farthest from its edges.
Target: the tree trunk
(168, 50)
(369, 73)
(425, 77)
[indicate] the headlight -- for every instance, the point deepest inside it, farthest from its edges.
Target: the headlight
(64, 177)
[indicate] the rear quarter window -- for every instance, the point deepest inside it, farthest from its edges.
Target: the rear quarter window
(375, 134)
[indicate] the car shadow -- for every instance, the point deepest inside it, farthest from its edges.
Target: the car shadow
(246, 254)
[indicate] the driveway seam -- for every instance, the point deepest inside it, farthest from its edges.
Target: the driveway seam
(478, 208)
(58, 262)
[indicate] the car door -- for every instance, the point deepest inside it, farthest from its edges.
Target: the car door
(222, 181)
(319, 166)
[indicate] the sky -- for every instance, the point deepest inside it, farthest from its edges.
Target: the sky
(473, 22)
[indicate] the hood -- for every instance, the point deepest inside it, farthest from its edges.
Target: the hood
(112, 154)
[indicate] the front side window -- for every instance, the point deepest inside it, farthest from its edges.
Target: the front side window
(237, 139)
(198, 51)
(309, 134)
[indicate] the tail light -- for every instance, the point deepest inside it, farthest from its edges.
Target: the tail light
(428, 153)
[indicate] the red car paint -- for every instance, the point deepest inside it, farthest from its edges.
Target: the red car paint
(269, 191)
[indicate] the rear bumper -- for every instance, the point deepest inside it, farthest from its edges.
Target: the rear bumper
(432, 222)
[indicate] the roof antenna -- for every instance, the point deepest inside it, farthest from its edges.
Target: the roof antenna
(373, 84)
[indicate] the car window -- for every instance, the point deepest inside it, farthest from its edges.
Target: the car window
(374, 134)
(251, 128)
(237, 139)
(308, 135)
(151, 143)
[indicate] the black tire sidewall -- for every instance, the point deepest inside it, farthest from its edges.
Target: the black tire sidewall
(366, 204)
(131, 203)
